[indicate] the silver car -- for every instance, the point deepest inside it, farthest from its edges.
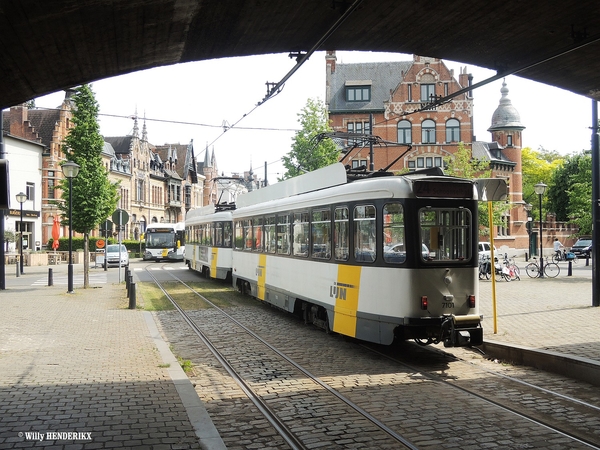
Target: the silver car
(112, 255)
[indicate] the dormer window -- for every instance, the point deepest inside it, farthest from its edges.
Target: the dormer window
(358, 91)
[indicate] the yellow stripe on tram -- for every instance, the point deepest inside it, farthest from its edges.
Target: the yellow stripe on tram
(261, 272)
(345, 292)
(214, 253)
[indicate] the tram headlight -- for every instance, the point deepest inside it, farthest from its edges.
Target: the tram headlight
(424, 302)
(471, 301)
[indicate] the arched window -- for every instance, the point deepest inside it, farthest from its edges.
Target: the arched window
(404, 132)
(452, 130)
(428, 132)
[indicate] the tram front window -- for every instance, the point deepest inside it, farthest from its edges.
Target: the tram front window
(446, 233)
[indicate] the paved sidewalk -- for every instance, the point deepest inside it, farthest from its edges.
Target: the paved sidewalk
(82, 371)
(553, 314)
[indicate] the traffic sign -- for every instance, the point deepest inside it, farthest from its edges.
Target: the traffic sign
(120, 217)
(100, 243)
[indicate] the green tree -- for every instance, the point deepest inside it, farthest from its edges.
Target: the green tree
(94, 196)
(538, 166)
(462, 164)
(571, 193)
(306, 155)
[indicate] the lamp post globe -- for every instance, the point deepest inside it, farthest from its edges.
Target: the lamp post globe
(540, 188)
(70, 170)
(21, 198)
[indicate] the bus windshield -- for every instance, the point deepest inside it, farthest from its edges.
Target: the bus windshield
(160, 240)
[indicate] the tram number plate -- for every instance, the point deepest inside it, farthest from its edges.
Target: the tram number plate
(448, 305)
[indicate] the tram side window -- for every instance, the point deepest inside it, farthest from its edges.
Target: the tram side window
(205, 233)
(394, 249)
(341, 234)
(445, 233)
(258, 240)
(247, 224)
(364, 233)
(300, 234)
(321, 234)
(227, 232)
(283, 234)
(218, 234)
(239, 235)
(270, 239)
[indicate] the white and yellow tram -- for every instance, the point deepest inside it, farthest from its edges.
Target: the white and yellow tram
(209, 233)
(381, 259)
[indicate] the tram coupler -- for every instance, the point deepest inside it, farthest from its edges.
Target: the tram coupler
(462, 331)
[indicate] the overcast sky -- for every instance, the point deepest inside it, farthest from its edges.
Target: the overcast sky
(194, 100)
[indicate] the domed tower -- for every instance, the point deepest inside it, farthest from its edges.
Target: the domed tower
(506, 130)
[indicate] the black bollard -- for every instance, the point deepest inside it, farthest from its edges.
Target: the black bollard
(587, 260)
(132, 296)
(526, 257)
(50, 277)
(17, 266)
(570, 269)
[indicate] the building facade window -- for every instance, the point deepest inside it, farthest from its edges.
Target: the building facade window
(452, 130)
(358, 93)
(423, 162)
(51, 183)
(30, 191)
(428, 132)
(404, 132)
(427, 92)
(509, 140)
(356, 163)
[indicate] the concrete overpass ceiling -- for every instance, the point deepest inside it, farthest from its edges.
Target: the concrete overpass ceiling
(51, 45)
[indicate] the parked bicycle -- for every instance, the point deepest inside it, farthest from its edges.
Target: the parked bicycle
(551, 269)
(513, 270)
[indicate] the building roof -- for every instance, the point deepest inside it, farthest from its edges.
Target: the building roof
(506, 115)
(120, 144)
(383, 77)
(490, 151)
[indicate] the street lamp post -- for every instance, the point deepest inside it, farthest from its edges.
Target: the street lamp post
(540, 188)
(70, 170)
(21, 199)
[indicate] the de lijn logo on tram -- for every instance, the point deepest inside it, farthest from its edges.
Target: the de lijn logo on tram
(340, 290)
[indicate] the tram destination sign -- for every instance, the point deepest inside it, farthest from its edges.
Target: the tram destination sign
(443, 189)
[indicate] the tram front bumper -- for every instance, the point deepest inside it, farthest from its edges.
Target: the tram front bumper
(461, 331)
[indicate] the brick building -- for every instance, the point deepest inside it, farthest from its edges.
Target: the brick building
(396, 98)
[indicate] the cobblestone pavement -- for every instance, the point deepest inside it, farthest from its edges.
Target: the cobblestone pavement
(83, 363)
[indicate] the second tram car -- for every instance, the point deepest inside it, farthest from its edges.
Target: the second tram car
(164, 242)
(378, 259)
(209, 233)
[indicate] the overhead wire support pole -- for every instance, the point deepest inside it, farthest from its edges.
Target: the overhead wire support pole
(595, 206)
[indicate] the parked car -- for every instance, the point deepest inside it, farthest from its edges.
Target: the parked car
(112, 255)
(485, 250)
(582, 248)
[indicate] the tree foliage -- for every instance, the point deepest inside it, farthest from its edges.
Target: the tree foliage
(306, 155)
(571, 193)
(94, 196)
(538, 166)
(462, 164)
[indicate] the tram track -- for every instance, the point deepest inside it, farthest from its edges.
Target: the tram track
(501, 395)
(291, 438)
